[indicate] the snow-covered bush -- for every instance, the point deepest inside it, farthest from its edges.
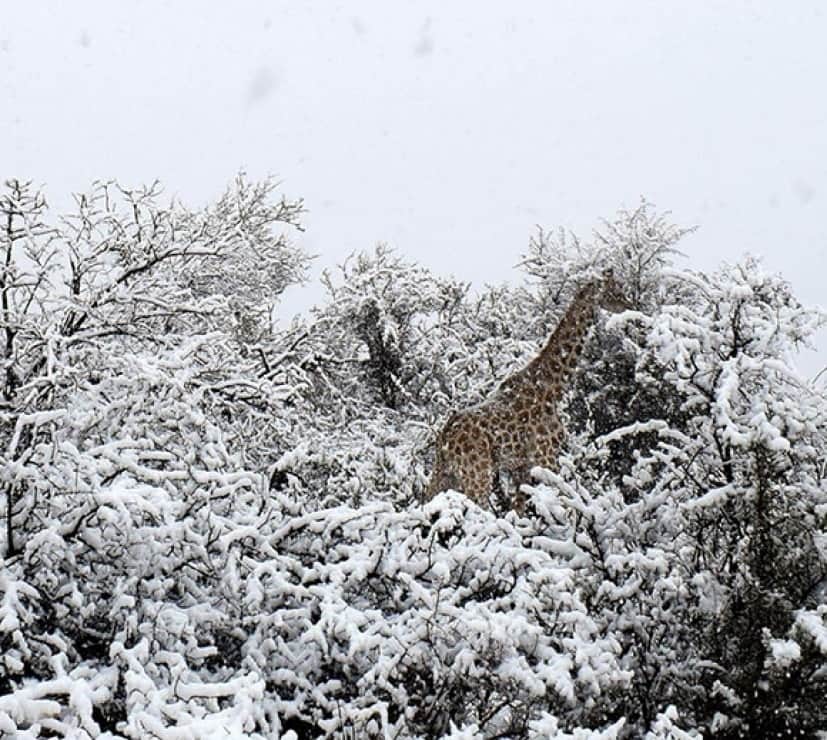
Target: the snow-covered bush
(117, 591)
(748, 473)
(711, 547)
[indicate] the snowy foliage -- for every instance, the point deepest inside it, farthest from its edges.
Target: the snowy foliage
(212, 528)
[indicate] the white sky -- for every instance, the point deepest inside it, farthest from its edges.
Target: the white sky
(447, 129)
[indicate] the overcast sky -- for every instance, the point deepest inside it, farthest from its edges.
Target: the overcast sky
(447, 129)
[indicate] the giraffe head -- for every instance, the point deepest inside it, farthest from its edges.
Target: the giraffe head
(610, 296)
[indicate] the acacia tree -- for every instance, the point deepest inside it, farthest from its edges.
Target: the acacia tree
(129, 359)
(123, 273)
(363, 370)
(137, 267)
(380, 310)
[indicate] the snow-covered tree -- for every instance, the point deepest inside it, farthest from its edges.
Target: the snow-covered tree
(212, 528)
(707, 556)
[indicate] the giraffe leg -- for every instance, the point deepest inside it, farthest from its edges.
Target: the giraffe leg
(477, 482)
(439, 476)
(519, 477)
(476, 470)
(543, 448)
(434, 485)
(449, 453)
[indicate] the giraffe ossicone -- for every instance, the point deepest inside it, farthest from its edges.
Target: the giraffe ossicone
(518, 427)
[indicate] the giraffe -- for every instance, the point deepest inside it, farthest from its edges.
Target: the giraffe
(518, 426)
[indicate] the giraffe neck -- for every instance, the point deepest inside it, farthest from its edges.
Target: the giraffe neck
(554, 366)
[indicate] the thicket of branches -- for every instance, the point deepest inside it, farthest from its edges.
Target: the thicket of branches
(212, 524)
